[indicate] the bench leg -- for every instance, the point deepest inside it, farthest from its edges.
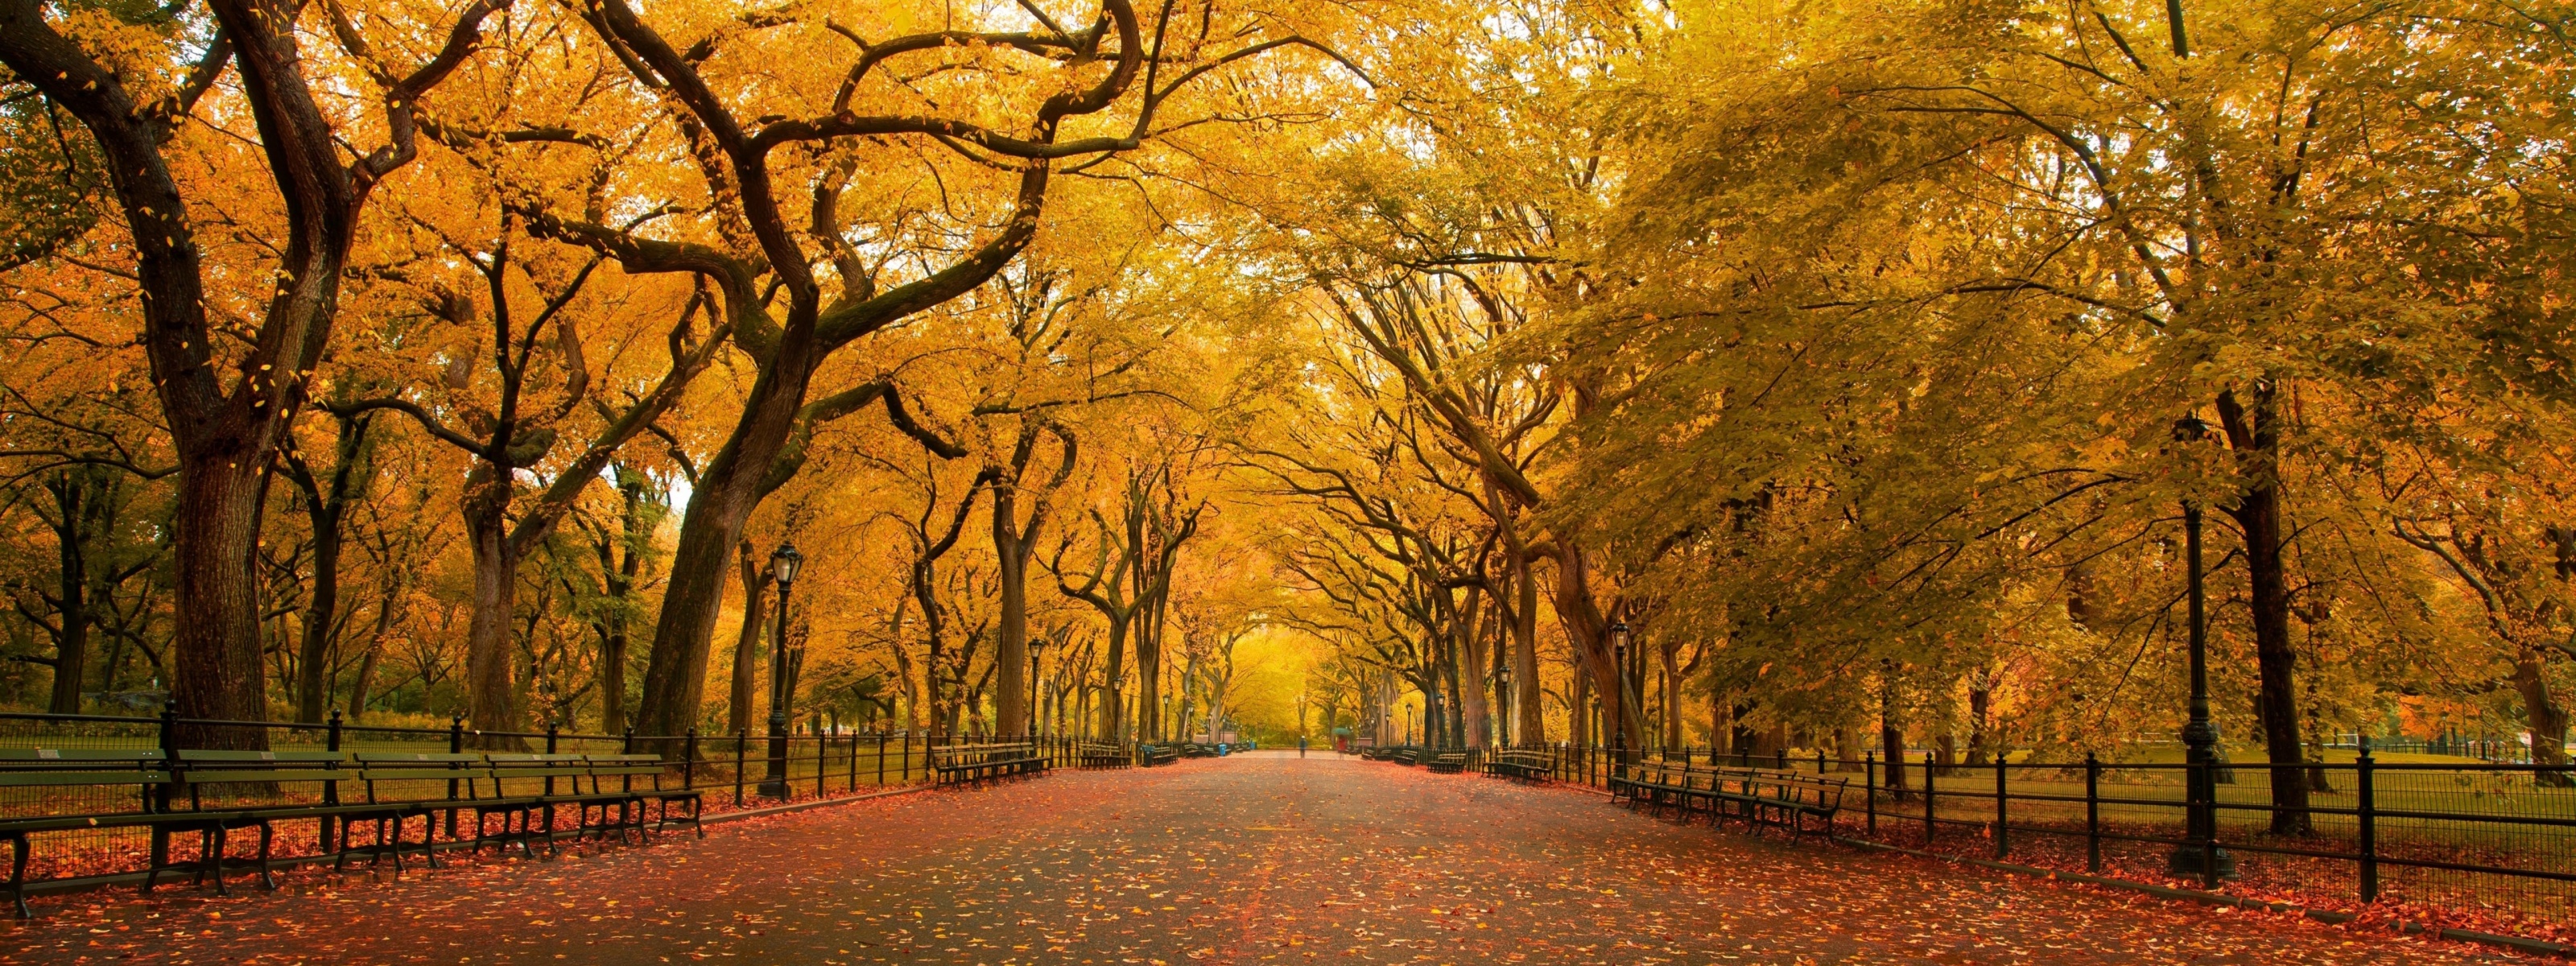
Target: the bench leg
(18, 874)
(267, 871)
(340, 856)
(160, 859)
(428, 840)
(214, 862)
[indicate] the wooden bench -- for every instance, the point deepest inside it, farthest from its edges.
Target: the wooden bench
(66, 769)
(976, 763)
(1102, 754)
(523, 790)
(1536, 766)
(526, 789)
(452, 778)
(1448, 763)
(1758, 796)
(197, 770)
(1157, 755)
(1660, 784)
(628, 768)
(1789, 799)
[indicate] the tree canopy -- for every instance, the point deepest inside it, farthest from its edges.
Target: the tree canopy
(1840, 368)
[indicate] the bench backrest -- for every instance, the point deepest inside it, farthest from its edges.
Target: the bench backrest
(531, 774)
(626, 768)
(1789, 786)
(73, 767)
(198, 768)
(985, 754)
(469, 771)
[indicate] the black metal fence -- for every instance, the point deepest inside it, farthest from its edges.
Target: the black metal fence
(2497, 840)
(730, 771)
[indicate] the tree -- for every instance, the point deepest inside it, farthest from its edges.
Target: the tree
(226, 428)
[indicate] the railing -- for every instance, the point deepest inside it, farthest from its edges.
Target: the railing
(2382, 831)
(728, 769)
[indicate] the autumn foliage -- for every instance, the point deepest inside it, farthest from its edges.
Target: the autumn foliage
(1289, 369)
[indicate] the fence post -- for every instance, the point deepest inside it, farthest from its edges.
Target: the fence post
(552, 731)
(1820, 761)
(1869, 779)
(881, 737)
(2092, 813)
(455, 746)
(2003, 813)
(157, 798)
(330, 789)
(1928, 775)
(739, 736)
(1784, 759)
(854, 761)
(2369, 815)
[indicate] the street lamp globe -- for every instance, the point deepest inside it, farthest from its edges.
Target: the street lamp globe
(784, 562)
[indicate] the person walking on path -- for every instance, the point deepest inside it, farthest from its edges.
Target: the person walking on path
(1301, 746)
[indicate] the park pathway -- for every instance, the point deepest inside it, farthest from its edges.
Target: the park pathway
(1248, 859)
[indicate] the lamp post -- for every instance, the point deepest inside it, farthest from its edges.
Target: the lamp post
(1036, 645)
(2198, 854)
(783, 564)
(1619, 709)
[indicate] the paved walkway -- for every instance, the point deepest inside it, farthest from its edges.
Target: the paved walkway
(1246, 859)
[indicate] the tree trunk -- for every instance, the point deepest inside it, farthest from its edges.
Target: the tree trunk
(1011, 641)
(215, 672)
(1471, 690)
(1891, 733)
(746, 643)
(1149, 682)
(636, 517)
(365, 679)
(675, 672)
(225, 435)
(2547, 720)
(1670, 699)
(325, 508)
(1980, 700)
(612, 679)
(1112, 694)
(2258, 512)
(1533, 709)
(313, 655)
(1578, 714)
(1499, 672)
(1891, 754)
(73, 506)
(492, 698)
(1589, 632)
